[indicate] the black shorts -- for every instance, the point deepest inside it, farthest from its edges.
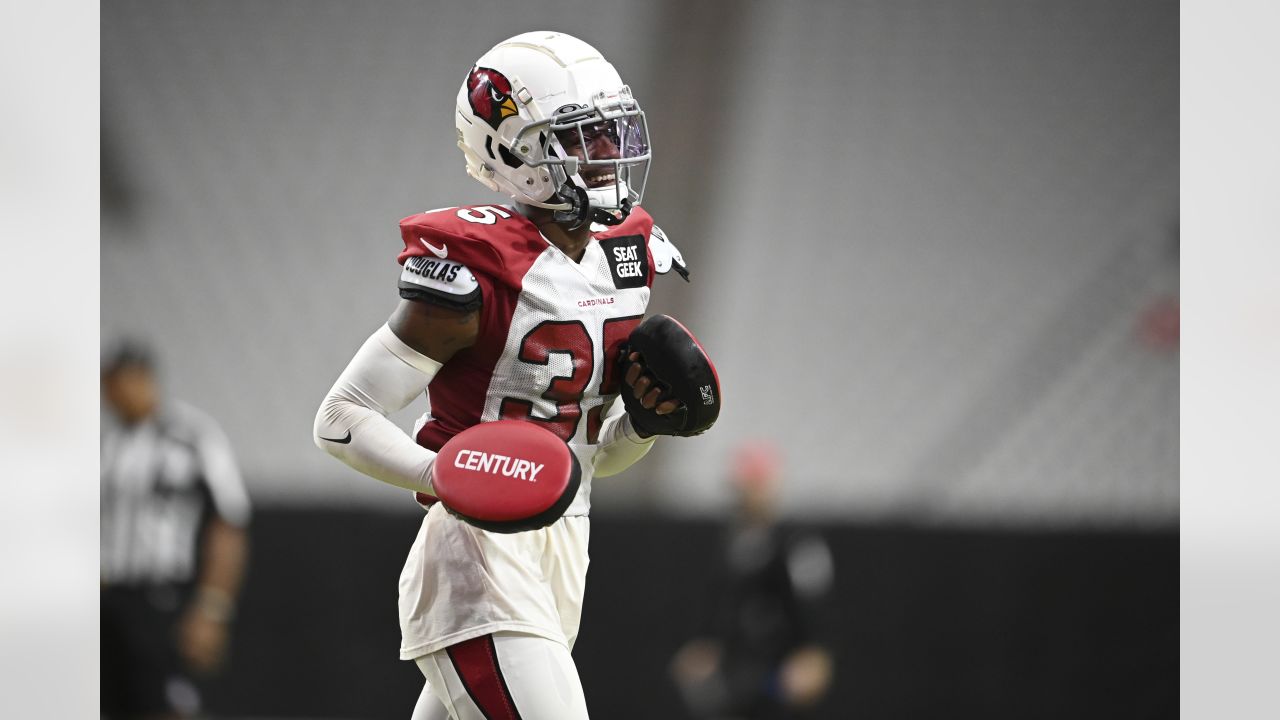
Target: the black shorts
(141, 672)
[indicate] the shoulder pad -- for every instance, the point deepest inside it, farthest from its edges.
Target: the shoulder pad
(441, 282)
(666, 256)
(494, 241)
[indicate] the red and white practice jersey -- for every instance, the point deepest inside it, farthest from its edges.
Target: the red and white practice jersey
(550, 328)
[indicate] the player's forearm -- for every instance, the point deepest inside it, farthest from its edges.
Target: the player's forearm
(372, 444)
(384, 376)
(620, 445)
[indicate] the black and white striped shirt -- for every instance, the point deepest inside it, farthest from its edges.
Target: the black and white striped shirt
(160, 479)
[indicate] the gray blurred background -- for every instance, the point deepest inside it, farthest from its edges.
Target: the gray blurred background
(934, 244)
(925, 236)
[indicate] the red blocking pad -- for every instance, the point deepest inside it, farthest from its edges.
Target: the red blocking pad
(506, 476)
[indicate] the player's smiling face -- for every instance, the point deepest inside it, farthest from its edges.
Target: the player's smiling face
(601, 144)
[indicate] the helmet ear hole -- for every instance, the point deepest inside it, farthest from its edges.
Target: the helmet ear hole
(511, 160)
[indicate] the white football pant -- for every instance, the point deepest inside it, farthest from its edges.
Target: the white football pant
(503, 676)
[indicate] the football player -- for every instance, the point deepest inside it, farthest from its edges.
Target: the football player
(513, 311)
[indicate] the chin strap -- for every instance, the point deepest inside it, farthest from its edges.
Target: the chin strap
(580, 210)
(612, 217)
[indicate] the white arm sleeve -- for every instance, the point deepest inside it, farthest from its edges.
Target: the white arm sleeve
(384, 376)
(620, 445)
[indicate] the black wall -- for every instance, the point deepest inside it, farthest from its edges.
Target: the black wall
(924, 623)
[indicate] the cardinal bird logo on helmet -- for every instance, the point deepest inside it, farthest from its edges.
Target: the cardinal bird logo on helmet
(489, 93)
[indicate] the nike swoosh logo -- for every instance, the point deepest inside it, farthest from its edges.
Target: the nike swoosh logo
(440, 252)
(340, 441)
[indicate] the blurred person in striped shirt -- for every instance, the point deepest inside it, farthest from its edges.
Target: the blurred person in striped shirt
(174, 543)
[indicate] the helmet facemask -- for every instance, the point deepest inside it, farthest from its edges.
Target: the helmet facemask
(586, 192)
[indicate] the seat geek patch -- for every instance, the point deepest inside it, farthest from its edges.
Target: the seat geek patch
(628, 261)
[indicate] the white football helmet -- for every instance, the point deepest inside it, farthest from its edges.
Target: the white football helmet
(544, 118)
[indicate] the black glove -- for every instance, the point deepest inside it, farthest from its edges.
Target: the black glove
(675, 363)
